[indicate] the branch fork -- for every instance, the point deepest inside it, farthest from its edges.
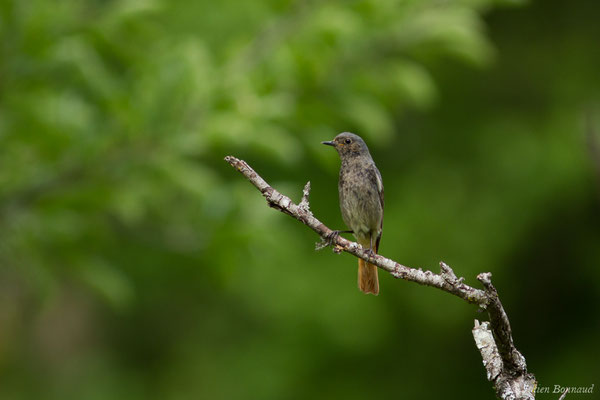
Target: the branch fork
(505, 366)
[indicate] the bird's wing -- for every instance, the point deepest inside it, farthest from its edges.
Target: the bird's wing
(381, 200)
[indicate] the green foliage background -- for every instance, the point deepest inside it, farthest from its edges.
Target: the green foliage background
(136, 264)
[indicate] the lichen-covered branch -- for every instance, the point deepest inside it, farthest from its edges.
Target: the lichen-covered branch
(508, 383)
(505, 366)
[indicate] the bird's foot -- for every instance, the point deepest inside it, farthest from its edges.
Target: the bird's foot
(370, 253)
(329, 240)
(332, 237)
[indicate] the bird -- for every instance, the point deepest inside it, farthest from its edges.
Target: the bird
(361, 197)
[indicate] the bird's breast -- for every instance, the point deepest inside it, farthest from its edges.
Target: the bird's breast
(360, 202)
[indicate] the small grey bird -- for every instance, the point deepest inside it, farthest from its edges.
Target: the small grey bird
(361, 201)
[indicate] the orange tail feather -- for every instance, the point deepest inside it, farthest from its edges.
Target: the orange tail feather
(368, 281)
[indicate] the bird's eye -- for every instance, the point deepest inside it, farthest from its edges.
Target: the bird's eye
(348, 141)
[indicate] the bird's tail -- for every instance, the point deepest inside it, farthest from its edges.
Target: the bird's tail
(368, 281)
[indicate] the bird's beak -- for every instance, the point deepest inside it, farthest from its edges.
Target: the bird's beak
(329, 143)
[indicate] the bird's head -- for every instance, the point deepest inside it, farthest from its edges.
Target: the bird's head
(348, 144)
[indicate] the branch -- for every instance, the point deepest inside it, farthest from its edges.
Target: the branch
(505, 366)
(564, 394)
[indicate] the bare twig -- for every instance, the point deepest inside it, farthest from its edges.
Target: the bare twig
(562, 396)
(505, 366)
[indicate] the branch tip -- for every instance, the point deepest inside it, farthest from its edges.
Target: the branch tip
(564, 394)
(449, 275)
(446, 269)
(304, 204)
(485, 277)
